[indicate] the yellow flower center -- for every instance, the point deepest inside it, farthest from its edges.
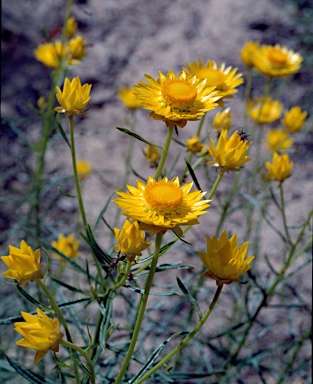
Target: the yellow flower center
(212, 76)
(163, 196)
(277, 57)
(179, 93)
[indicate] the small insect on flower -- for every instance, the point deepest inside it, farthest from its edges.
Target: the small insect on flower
(243, 136)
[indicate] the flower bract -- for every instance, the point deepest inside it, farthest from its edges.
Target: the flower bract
(51, 54)
(278, 140)
(222, 120)
(128, 98)
(77, 50)
(83, 169)
(193, 144)
(230, 153)
(71, 27)
(176, 99)
(23, 263)
(276, 61)
(280, 167)
(162, 205)
(39, 333)
(247, 53)
(131, 240)
(266, 111)
(224, 260)
(152, 154)
(294, 119)
(74, 98)
(67, 245)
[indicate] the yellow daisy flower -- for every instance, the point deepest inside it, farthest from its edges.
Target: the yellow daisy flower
(128, 98)
(68, 246)
(176, 99)
(224, 260)
(270, 110)
(280, 168)
(39, 333)
(74, 97)
(278, 140)
(276, 61)
(226, 80)
(294, 119)
(222, 120)
(193, 145)
(162, 205)
(23, 263)
(51, 54)
(247, 53)
(230, 153)
(131, 240)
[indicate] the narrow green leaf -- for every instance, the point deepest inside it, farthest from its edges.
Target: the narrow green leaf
(103, 258)
(31, 299)
(69, 287)
(32, 377)
(57, 119)
(128, 132)
(103, 212)
(189, 297)
(193, 175)
(66, 194)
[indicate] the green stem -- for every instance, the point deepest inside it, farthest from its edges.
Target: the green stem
(217, 181)
(182, 344)
(76, 178)
(85, 355)
(142, 307)
(164, 152)
(283, 212)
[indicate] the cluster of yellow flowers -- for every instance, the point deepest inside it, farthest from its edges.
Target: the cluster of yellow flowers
(53, 54)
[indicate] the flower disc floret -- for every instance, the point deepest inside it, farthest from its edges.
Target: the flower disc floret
(230, 153)
(23, 263)
(224, 260)
(176, 99)
(276, 61)
(74, 97)
(39, 333)
(162, 205)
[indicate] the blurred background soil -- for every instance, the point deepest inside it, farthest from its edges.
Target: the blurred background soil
(126, 39)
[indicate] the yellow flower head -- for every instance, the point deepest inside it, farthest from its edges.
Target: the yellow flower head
(162, 205)
(23, 263)
(280, 168)
(224, 260)
(74, 97)
(131, 240)
(71, 27)
(222, 120)
(270, 110)
(77, 50)
(278, 140)
(247, 53)
(230, 153)
(294, 119)
(68, 246)
(83, 169)
(226, 80)
(193, 144)
(152, 154)
(276, 61)
(39, 333)
(51, 54)
(128, 98)
(176, 99)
